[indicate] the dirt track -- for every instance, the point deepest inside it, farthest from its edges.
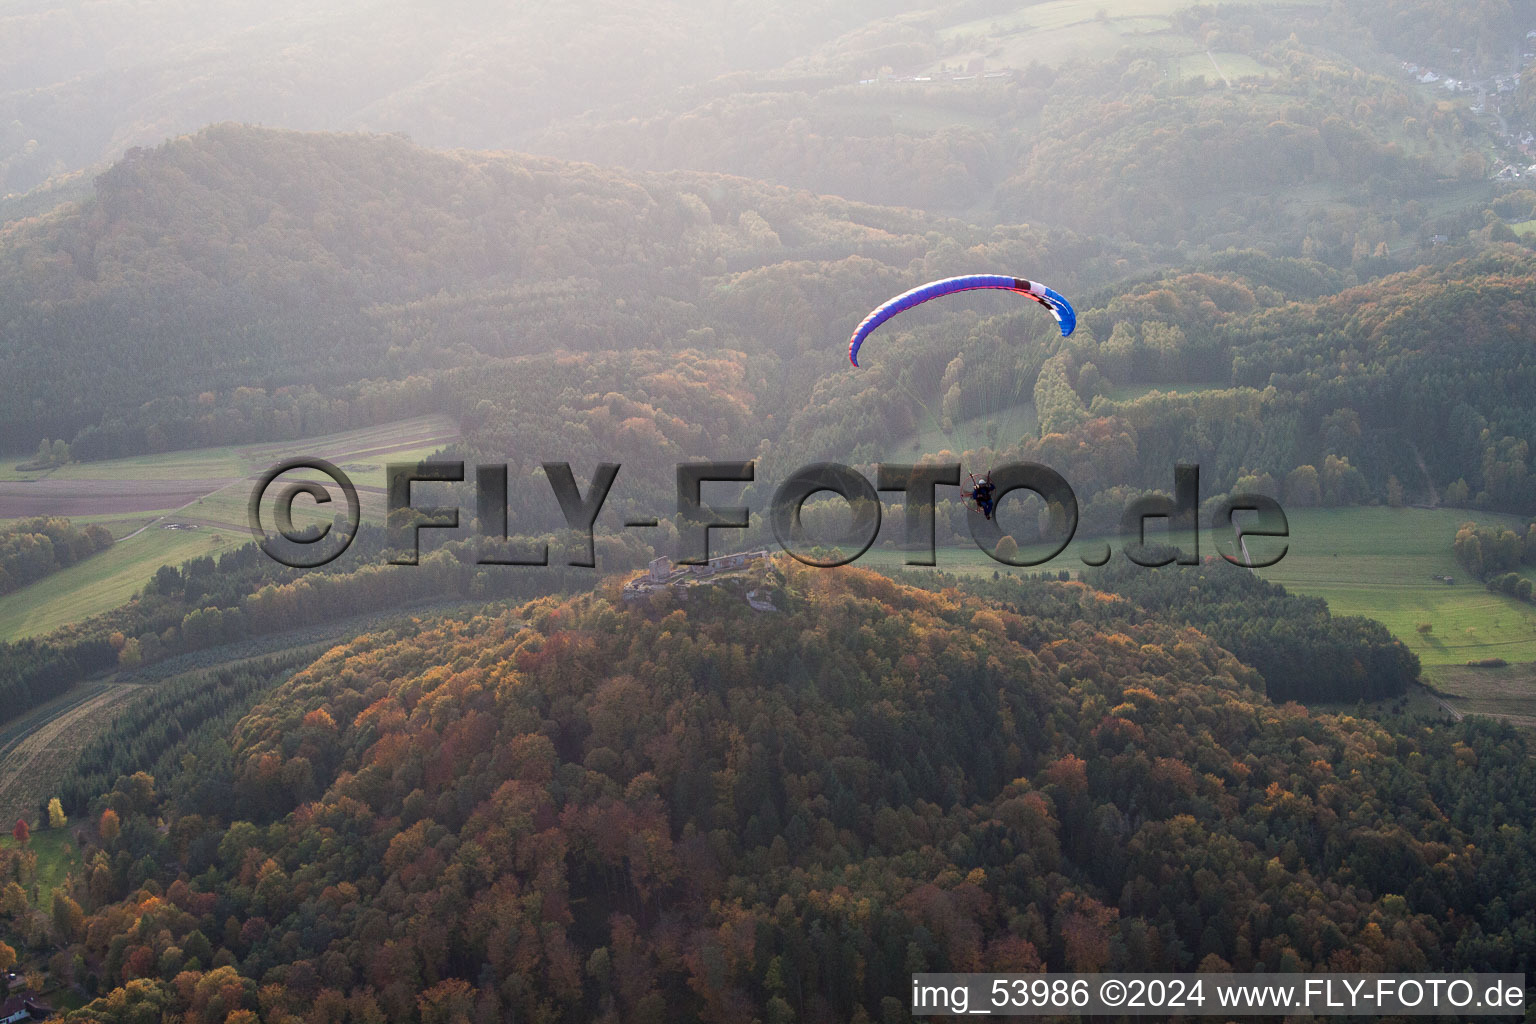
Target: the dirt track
(43, 744)
(51, 739)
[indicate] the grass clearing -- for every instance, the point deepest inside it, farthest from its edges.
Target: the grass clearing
(1060, 14)
(196, 464)
(1200, 65)
(57, 857)
(997, 429)
(9, 471)
(1457, 195)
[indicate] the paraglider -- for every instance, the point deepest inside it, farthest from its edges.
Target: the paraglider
(1060, 308)
(981, 494)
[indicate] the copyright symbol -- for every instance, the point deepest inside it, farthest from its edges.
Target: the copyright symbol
(1112, 992)
(302, 548)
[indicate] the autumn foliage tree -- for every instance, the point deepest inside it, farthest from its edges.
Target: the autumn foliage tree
(663, 811)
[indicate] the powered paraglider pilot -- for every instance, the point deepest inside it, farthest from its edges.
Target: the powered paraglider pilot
(981, 494)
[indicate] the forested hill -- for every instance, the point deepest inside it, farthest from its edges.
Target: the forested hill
(242, 256)
(700, 812)
(1410, 388)
(1413, 387)
(364, 272)
(856, 99)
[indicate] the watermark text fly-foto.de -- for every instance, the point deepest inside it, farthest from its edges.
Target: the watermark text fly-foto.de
(697, 520)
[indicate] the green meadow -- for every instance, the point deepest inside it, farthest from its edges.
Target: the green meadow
(1376, 562)
(1214, 65)
(103, 581)
(1381, 563)
(56, 858)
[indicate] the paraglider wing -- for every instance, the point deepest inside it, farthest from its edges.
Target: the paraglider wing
(1060, 308)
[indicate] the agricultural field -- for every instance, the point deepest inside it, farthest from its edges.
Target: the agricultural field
(165, 509)
(1508, 692)
(234, 462)
(43, 744)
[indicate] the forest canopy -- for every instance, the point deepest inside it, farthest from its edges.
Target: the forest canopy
(584, 810)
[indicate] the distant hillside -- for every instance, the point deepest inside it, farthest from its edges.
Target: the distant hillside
(703, 812)
(364, 270)
(1172, 124)
(82, 82)
(1402, 389)
(788, 94)
(242, 256)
